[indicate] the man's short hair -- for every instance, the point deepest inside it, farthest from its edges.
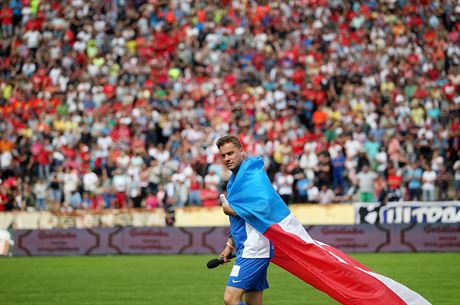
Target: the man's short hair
(228, 139)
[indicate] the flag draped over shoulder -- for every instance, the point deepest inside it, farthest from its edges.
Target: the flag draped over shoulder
(251, 195)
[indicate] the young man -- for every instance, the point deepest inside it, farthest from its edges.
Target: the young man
(254, 205)
(253, 250)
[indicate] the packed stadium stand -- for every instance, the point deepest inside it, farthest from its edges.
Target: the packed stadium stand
(114, 104)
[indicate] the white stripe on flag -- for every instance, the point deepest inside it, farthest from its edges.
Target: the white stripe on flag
(407, 295)
(321, 244)
(290, 224)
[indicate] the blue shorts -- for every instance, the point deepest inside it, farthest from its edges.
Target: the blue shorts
(249, 274)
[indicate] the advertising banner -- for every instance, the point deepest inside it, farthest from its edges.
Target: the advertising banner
(433, 238)
(447, 212)
(363, 238)
(120, 240)
(197, 240)
(54, 242)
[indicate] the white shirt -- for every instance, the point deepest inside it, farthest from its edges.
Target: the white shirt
(33, 39)
(457, 169)
(326, 197)
(366, 181)
(428, 178)
(5, 159)
(283, 184)
(212, 179)
(70, 182)
(104, 142)
(123, 161)
(313, 194)
(121, 182)
(381, 158)
(90, 181)
(352, 147)
(40, 190)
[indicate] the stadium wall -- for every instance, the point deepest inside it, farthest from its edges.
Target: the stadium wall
(185, 217)
(358, 227)
(196, 240)
(308, 214)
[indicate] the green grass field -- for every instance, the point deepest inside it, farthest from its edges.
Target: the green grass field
(185, 280)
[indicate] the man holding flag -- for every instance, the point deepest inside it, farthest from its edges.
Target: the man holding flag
(253, 250)
(259, 215)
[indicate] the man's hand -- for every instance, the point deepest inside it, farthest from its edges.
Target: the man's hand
(227, 250)
(225, 206)
(228, 210)
(225, 253)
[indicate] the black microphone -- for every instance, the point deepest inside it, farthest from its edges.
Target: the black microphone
(215, 262)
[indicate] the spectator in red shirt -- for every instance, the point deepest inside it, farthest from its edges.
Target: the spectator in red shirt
(195, 183)
(6, 17)
(43, 160)
(209, 195)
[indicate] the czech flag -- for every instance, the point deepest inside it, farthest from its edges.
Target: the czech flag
(251, 195)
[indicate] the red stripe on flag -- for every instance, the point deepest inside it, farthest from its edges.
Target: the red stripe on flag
(315, 265)
(350, 260)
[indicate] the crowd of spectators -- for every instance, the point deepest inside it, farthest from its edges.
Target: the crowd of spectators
(118, 103)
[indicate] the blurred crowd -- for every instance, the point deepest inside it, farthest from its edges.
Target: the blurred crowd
(118, 103)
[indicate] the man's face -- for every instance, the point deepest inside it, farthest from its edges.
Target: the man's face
(232, 155)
